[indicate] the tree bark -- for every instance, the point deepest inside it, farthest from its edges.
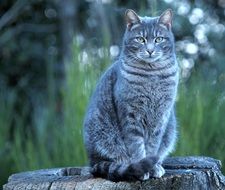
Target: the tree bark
(184, 173)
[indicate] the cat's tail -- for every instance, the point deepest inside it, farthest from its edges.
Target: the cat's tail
(123, 171)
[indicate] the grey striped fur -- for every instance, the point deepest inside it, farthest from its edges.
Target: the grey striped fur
(130, 124)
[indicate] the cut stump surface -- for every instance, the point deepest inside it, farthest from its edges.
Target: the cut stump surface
(183, 173)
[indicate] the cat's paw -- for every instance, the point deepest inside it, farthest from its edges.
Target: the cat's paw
(158, 171)
(146, 176)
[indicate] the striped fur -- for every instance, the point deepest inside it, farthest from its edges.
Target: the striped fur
(125, 171)
(130, 124)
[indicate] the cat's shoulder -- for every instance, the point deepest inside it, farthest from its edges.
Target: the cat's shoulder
(112, 70)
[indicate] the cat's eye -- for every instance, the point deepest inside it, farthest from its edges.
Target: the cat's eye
(158, 39)
(141, 39)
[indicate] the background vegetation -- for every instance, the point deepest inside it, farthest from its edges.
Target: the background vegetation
(53, 52)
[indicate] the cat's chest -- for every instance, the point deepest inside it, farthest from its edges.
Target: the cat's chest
(147, 90)
(150, 101)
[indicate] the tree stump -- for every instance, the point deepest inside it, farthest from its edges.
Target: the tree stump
(181, 173)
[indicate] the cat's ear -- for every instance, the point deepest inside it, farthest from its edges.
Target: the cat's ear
(165, 19)
(131, 18)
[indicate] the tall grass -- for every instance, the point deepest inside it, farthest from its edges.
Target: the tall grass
(6, 110)
(200, 111)
(58, 142)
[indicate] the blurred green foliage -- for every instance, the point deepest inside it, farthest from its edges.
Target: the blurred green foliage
(201, 121)
(43, 97)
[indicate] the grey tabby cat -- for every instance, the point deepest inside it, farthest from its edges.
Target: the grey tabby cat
(130, 124)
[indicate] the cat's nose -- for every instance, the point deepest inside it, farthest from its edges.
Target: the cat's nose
(150, 48)
(150, 52)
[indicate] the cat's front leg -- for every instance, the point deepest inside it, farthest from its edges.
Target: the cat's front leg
(169, 138)
(133, 136)
(166, 146)
(134, 141)
(136, 147)
(158, 171)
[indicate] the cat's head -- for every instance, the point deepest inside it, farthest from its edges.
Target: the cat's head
(148, 39)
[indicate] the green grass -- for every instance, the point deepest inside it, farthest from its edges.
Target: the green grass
(57, 142)
(200, 112)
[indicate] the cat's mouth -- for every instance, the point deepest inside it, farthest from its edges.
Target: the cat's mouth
(149, 57)
(155, 55)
